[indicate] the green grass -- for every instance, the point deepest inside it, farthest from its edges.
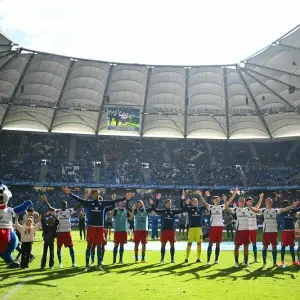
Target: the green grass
(150, 280)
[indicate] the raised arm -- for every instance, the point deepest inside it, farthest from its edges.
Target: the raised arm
(18, 226)
(127, 197)
(130, 215)
(38, 224)
(44, 199)
(291, 207)
(234, 193)
(260, 199)
(154, 206)
(68, 192)
(150, 209)
(202, 199)
(227, 208)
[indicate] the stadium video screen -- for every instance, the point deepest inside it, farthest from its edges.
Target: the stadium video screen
(123, 119)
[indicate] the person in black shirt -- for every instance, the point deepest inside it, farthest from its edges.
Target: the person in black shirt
(96, 211)
(287, 223)
(195, 214)
(82, 224)
(49, 227)
(168, 233)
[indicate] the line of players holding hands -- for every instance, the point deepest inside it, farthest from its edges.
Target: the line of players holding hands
(246, 226)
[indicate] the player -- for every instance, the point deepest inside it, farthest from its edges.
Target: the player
(253, 224)
(216, 227)
(242, 227)
(141, 227)
(64, 236)
(270, 227)
(96, 210)
(93, 250)
(182, 225)
(121, 215)
(168, 233)
(195, 213)
(288, 232)
(82, 224)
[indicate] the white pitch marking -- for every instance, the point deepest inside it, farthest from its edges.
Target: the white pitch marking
(16, 288)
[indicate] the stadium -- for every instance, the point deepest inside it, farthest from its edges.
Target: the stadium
(158, 131)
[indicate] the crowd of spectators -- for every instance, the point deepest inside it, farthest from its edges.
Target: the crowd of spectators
(118, 160)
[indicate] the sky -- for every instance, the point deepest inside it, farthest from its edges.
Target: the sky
(184, 32)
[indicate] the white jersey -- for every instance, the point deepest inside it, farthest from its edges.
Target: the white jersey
(242, 216)
(64, 218)
(252, 221)
(270, 219)
(216, 218)
(6, 217)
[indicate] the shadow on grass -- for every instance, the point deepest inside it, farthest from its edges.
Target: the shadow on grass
(35, 276)
(198, 271)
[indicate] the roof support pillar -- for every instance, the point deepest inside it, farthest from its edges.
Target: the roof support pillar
(104, 98)
(260, 116)
(225, 81)
(146, 99)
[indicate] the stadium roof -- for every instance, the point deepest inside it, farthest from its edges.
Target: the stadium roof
(258, 98)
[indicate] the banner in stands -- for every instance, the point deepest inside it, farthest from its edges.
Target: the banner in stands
(123, 119)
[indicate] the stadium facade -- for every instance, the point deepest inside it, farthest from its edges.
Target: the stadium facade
(258, 98)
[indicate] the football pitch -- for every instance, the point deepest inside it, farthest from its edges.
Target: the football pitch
(149, 280)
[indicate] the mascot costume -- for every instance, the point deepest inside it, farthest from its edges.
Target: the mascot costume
(8, 238)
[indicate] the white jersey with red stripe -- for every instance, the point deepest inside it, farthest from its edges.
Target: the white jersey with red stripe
(252, 221)
(270, 219)
(64, 218)
(216, 219)
(242, 216)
